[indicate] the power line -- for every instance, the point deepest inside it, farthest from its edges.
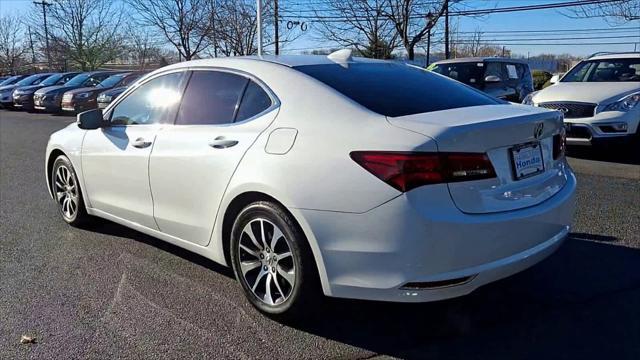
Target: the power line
(565, 4)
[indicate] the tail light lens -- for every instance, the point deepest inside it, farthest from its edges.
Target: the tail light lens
(408, 170)
(559, 144)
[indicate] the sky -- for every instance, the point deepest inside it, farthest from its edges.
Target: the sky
(550, 19)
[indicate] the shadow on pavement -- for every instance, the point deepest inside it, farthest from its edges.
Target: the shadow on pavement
(110, 228)
(582, 302)
(629, 154)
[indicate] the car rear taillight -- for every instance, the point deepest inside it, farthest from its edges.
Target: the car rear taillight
(559, 144)
(408, 170)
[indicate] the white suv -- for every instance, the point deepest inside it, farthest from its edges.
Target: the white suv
(600, 99)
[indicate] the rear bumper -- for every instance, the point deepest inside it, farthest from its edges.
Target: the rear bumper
(421, 237)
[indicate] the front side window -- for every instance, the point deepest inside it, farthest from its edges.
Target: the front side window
(609, 70)
(153, 102)
(211, 98)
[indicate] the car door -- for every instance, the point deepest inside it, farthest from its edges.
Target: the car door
(115, 159)
(221, 115)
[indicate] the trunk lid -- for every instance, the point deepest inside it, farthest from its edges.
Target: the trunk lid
(496, 130)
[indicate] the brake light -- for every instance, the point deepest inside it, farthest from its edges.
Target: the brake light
(559, 144)
(408, 170)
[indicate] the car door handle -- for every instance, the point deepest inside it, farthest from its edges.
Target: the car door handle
(140, 143)
(222, 143)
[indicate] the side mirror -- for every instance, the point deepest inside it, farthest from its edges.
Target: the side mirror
(492, 79)
(91, 119)
(554, 79)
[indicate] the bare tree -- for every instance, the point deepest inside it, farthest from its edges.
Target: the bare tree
(186, 24)
(142, 45)
(89, 30)
(366, 26)
(12, 46)
(236, 31)
(616, 11)
(413, 19)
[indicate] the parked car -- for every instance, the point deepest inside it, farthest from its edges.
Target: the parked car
(49, 99)
(23, 96)
(106, 97)
(600, 100)
(12, 80)
(314, 174)
(85, 98)
(507, 79)
(6, 99)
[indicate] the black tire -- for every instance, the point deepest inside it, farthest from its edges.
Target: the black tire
(305, 290)
(69, 188)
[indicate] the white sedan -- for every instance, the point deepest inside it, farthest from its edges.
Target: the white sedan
(308, 174)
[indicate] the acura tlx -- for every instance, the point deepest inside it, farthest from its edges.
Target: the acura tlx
(313, 175)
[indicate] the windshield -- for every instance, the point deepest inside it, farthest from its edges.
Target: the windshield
(30, 80)
(395, 89)
(77, 80)
(609, 70)
(9, 81)
(52, 80)
(111, 81)
(468, 73)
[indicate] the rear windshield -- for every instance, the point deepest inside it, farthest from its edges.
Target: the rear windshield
(394, 90)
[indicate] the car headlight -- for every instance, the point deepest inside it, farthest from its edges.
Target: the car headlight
(528, 100)
(625, 104)
(83, 95)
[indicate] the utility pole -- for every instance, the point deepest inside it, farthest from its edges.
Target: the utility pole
(428, 46)
(446, 29)
(259, 25)
(213, 29)
(277, 33)
(44, 5)
(33, 53)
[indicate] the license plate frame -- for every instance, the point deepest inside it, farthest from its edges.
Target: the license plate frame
(516, 154)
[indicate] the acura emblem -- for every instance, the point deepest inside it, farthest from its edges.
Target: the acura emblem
(537, 131)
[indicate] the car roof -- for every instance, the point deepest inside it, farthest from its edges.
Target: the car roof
(284, 60)
(616, 56)
(480, 59)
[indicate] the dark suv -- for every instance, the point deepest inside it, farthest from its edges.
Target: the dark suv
(23, 96)
(82, 99)
(49, 99)
(507, 79)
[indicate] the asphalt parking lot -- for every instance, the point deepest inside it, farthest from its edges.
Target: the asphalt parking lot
(110, 292)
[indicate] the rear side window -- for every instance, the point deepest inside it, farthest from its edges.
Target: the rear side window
(211, 98)
(396, 89)
(254, 101)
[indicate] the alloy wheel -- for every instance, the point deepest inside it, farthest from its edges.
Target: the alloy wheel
(266, 261)
(66, 191)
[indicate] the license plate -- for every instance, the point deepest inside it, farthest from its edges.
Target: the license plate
(527, 160)
(37, 103)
